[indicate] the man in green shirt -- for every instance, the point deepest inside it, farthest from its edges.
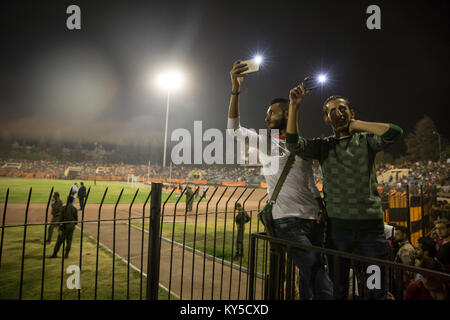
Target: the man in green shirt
(189, 199)
(350, 184)
(56, 212)
(241, 219)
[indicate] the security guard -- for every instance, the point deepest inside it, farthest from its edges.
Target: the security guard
(56, 212)
(241, 219)
(189, 198)
(68, 213)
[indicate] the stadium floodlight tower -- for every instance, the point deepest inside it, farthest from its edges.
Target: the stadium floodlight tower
(169, 81)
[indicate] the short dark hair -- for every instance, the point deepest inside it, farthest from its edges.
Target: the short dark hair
(284, 103)
(69, 199)
(429, 245)
(82, 183)
(56, 194)
(324, 107)
(402, 229)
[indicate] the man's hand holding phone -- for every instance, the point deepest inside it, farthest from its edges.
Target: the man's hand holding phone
(236, 75)
(297, 95)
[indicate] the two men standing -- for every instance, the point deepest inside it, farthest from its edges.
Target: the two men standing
(68, 219)
(298, 205)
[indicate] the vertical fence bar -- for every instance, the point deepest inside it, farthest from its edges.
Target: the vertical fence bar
(3, 225)
(45, 244)
(215, 240)
(184, 239)
(251, 292)
(162, 217)
(24, 242)
(289, 277)
(257, 243)
(242, 253)
(204, 242)
(81, 238)
(142, 244)
(64, 245)
(223, 244)
(193, 247)
(427, 224)
(114, 245)
(232, 242)
(153, 254)
(129, 241)
(98, 243)
(173, 237)
(409, 213)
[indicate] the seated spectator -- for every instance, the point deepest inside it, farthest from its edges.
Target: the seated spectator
(443, 232)
(429, 287)
(425, 249)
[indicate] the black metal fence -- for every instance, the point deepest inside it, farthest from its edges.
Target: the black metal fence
(282, 280)
(166, 250)
(171, 248)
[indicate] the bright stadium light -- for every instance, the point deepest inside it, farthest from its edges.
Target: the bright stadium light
(170, 80)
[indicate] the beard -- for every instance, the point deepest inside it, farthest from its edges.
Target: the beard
(279, 124)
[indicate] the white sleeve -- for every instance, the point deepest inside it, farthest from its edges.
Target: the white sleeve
(236, 129)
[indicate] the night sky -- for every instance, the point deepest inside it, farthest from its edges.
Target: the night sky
(95, 84)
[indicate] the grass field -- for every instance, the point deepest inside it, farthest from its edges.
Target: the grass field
(10, 269)
(19, 189)
(226, 252)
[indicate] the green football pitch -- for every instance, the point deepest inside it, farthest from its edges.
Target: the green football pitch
(19, 189)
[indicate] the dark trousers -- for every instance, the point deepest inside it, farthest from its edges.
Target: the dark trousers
(369, 243)
(81, 202)
(50, 229)
(65, 234)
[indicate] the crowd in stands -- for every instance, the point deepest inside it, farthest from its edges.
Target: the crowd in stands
(426, 174)
(431, 252)
(430, 175)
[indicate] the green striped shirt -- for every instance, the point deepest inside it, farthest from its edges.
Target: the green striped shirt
(349, 175)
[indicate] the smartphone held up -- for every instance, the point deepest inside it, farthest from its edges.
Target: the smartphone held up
(314, 82)
(252, 64)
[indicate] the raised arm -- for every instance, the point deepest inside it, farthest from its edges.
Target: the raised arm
(236, 81)
(308, 149)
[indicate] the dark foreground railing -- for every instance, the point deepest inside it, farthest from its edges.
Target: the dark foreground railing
(281, 281)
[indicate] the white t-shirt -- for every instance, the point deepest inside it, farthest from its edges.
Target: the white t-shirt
(298, 193)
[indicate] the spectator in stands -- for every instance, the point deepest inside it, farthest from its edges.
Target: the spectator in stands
(347, 160)
(406, 252)
(425, 249)
(405, 255)
(56, 212)
(82, 195)
(429, 287)
(68, 219)
(443, 232)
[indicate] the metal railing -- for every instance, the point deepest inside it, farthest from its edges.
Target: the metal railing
(281, 281)
(189, 254)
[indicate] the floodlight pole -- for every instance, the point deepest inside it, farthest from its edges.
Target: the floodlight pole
(439, 143)
(165, 133)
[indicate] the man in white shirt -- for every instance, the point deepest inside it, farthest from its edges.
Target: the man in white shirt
(296, 210)
(73, 192)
